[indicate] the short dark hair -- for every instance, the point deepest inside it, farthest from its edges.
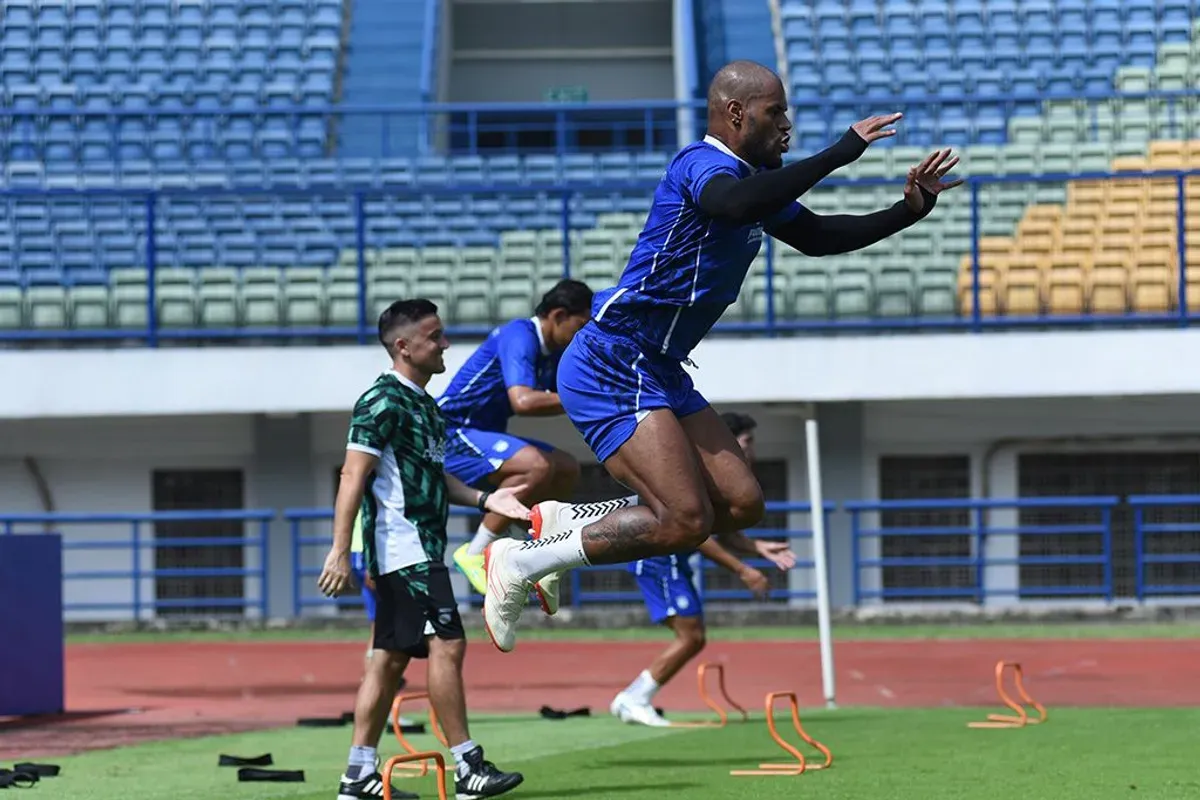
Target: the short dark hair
(738, 423)
(401, 313)
(572, 296)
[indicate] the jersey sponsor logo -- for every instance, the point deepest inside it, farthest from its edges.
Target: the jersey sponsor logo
(755, 235)
(435, 449)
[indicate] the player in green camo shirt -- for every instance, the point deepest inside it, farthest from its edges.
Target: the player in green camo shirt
(393, 475)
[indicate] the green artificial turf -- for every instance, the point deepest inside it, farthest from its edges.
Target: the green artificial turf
(1079, 754)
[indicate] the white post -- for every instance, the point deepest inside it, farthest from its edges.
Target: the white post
(819, 560)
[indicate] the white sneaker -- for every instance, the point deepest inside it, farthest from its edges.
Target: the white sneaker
(633, 712)
(507, 594)
(547, 592)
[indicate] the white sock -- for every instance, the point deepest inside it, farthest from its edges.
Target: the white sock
(483, 537)
(361, 762)
(643, 687)
(460, 750)
(587, 513)
(537, 558)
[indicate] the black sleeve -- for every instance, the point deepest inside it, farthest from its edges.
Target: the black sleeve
(742, 201)
(830, 234)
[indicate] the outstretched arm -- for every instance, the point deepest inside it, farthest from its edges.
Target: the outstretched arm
(829, 234)
(742, 201)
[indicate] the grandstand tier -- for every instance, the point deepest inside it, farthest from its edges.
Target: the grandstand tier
(200, 138)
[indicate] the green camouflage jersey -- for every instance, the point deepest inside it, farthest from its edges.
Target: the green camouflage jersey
(406, 502)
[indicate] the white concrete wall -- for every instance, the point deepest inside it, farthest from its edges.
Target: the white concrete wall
(239, 380)
(105, 464)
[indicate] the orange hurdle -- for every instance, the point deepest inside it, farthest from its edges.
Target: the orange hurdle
(423, 768)
(1022, 718)
(405, 762)
(801, 766)
(722, 717)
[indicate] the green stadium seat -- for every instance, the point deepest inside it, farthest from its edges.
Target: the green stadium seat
(46, 307)
(262, 299)
(89, 306)
(936, 292)
(472, 301)
(852, 296)
(810, 290)
(303, 296)
(12, 303)
(175, 297)
(217, 297)
(894, 291)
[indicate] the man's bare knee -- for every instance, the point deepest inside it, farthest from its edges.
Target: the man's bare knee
(687, 525)
(748, 507)
(448, 649)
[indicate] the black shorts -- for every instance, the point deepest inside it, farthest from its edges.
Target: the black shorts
(413, 603)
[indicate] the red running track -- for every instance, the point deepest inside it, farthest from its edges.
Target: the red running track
(124, 693)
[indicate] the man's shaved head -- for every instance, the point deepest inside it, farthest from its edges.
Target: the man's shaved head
(747, 110)
(742, 81)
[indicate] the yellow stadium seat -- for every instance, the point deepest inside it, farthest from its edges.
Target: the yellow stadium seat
(1065, 286)
(1168, 155)
(1152, 286)
(1023, 287)
(1109, 285)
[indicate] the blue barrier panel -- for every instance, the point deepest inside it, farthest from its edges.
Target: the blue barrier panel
(308, 551)
(31, 625)
(130, 568)
(975, 535)
(353, 208)
(1167, 550)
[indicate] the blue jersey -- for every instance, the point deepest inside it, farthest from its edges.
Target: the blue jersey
(686, 267)
(513, 355)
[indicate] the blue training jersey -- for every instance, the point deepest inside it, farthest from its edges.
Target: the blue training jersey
(676, 565)
(686, 267)
(513, 355)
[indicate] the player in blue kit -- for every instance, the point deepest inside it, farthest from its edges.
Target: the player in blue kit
(622, 381)
(513, 373)
(667, 587)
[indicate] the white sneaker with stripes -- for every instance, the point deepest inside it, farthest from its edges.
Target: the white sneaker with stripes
(370, 787)
(477, 778)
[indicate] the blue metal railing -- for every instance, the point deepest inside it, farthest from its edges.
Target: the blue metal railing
(308, 551)
(581, 595)
(142, 538)
(565, 204)
(975, 535)
(1173, 571)
(205, 130)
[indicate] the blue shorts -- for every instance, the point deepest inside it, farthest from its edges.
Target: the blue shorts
(358, 564)
(608, 385)
(472, 454)
(667, 587)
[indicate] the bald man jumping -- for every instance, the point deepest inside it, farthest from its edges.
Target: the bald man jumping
(621, 381)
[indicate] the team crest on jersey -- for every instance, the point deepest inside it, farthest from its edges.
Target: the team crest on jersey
(435, 450)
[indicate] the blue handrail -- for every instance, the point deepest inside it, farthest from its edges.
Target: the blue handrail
(1158, 571)
(303, 582)
(137, 541)
(976, 537)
